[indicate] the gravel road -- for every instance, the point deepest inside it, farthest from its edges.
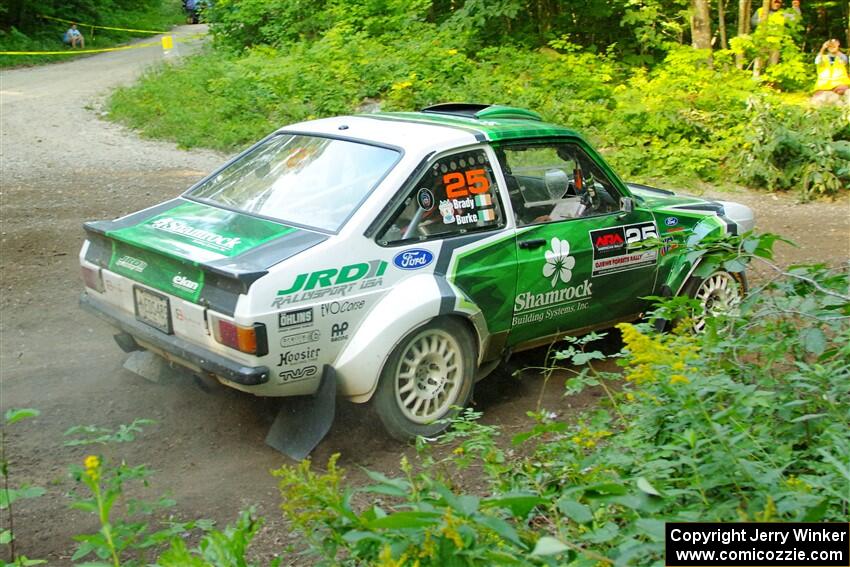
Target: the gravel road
(61, 164)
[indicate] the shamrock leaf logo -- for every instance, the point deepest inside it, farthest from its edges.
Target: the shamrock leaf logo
(559, 263)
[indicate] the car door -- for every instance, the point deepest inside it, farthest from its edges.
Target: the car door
(579, 257)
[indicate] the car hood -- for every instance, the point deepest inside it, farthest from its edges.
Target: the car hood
(739, 218)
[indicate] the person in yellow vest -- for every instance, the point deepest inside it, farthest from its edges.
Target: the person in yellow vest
(832, 69)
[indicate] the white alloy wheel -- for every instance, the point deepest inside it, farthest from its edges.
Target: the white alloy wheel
(428, 376)
(718, 293)
(427, 379)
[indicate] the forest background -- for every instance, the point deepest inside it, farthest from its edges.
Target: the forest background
(679, 90)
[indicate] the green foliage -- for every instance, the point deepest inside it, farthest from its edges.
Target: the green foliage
(686, 119)
(746, 422)
(791, 147)
(9, 495)
(126, 535)
(227, 548)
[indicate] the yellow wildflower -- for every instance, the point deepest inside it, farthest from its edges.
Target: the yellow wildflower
(92, 464)
(458, 451)
(590, 443)
(429, 548)
(452, 52)
(450, 529)
(679, 379)
(630, 396)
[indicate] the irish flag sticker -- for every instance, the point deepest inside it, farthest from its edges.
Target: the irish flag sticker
(484, 200)
(487, 215)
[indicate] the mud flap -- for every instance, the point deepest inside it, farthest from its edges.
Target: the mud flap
(151, 367)
(302, 422)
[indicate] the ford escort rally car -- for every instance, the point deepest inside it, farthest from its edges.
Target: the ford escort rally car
(398, 257)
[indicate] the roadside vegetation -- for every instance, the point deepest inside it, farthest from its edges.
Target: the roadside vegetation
(628, 79)
(31, 27)
(747, 421)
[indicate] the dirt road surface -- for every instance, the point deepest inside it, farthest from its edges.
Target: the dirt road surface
(61, 165)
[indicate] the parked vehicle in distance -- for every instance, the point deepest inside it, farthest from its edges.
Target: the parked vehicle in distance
(398, 257)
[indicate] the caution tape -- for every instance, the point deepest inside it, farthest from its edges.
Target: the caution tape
(78, 51)
(99, 27)
(166, 44)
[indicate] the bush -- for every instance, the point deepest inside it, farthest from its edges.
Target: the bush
(748, 422)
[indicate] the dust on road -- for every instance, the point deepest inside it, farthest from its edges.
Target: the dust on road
(61, 165)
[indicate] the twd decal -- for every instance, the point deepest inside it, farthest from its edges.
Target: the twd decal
(618, 248)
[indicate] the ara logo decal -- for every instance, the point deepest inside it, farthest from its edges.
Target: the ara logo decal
(183, 282)
(291, 375)
(671, 221)
(610, 240)
(332, 282)
(413, 259)
(200, 236)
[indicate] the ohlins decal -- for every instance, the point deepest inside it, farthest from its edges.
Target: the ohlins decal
(332, 282)
(176, 226)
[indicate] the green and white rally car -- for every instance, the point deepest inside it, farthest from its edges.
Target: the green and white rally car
(397, 258)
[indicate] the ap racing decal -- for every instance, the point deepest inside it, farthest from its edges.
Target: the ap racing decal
(617, 249)
(565, 296)
(332, 282)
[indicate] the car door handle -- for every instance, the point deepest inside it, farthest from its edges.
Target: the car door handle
(535, 243)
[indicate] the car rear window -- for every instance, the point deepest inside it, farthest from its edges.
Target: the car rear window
(304, 180)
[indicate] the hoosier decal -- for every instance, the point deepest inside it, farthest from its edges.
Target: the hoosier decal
(614, 249)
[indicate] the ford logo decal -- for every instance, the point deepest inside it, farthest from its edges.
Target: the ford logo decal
(671, 221)
(413, 259)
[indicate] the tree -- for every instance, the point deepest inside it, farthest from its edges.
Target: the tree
(700, 24)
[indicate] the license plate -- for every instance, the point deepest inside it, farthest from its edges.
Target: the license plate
(152, 309)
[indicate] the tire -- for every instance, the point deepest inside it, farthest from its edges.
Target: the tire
(720, 292)
(429, 374)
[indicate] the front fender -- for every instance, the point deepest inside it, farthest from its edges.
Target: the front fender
(407, 306)
(688, 262)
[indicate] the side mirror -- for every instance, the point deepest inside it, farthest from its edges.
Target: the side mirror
(627, 205)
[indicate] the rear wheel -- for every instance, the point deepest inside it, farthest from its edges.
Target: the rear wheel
(721, 292)
(426, 378)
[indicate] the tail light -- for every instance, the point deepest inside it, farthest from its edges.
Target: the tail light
(251, 340)
(93, 278)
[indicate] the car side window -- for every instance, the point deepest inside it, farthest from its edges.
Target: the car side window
(456, 195)
(555, 182)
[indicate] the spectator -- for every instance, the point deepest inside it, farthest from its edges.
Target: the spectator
(792, 15)
(191, 7)
(73, 37)
(832, 72)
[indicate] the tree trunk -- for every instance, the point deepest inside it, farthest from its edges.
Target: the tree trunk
(745, 8)
(700, 24)
(721, 24)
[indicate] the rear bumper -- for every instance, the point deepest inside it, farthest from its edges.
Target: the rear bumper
(199, 356)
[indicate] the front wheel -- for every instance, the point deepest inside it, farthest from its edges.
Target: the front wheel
(426, 379)
(719, 293)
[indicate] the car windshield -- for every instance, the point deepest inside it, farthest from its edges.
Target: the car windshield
(305, 180)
